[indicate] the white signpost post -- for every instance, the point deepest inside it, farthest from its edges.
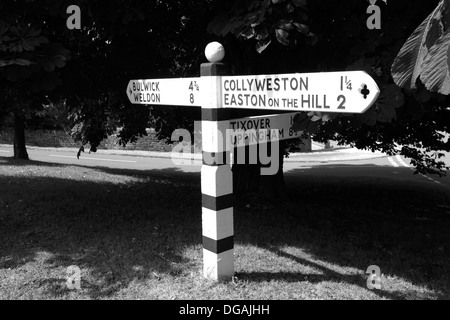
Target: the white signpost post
(216, 92)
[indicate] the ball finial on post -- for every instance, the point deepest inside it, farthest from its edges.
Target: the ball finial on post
(214, 52)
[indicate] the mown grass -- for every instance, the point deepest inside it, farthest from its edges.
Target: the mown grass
(137, 235)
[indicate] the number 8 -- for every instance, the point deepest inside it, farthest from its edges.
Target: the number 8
(374, 280)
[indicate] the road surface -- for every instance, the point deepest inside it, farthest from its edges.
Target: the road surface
(377, 166)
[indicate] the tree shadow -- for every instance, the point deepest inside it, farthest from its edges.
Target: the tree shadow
(354, 216)
(327, 275)
(119, 232)
(174, 173)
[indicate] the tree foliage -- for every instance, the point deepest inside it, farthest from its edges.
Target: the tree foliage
(399, 122)
(263, 21)
(426, 53)
(86, 71)
(119, 41)
(30, 61)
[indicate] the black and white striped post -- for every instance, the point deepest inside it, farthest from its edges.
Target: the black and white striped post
(216, 178)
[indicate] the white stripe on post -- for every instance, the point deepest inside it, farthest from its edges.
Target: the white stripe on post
(216, 180)
(214, 135)
(218, 271)
(217, 224)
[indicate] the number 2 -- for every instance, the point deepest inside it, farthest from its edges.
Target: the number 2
(342, 105)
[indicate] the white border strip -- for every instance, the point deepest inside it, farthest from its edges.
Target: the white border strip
(403, 163)
(393, 162)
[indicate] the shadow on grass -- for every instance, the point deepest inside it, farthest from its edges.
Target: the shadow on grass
(129, 225)
(166, 173)
(327, 275)
(121, 232)
(352, 216)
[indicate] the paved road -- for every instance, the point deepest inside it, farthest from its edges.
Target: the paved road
(379, 167)
(116, 161)
(343, 163)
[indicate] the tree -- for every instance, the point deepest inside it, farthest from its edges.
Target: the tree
(117, 42)
(337, 38)
(270, 36)
(412, 125)
(135, 39)
(29, 64)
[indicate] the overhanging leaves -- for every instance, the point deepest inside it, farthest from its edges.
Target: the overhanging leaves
(369, 117)
(435, 74)
(282, 36)
(262, 45)
(418, 49)
(306, 122)
(263, 21)
(299, 3)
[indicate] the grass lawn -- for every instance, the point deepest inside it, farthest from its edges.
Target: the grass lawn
(137, 235)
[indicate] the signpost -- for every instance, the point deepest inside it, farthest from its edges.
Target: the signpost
(257, 129)
(215, 92)
(343, 92)
(170, 92)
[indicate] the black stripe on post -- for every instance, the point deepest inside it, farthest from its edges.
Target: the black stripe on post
(218, 246)
(217, 203)
(215, 114)
(213, 69)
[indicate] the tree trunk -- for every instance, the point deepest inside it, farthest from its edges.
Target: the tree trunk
(251, 188)
(20, 149)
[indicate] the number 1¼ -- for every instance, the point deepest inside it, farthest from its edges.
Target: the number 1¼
(346, 82)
